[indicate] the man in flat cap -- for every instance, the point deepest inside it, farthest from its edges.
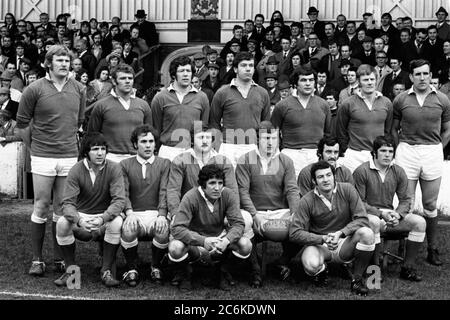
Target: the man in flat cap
(367, 55)
(212, 80)
(147, 29)
(7, 127)
(200, 70)
(442, 25)
(5, 81)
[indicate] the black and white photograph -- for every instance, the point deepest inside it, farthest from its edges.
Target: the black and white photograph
(224, 159)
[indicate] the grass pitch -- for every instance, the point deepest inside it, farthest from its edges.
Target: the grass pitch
(15, 283)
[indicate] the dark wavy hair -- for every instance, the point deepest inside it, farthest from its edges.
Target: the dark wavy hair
(210, 171)
(91, 140)
(143, 129)
(380, 141)
(320, 165)
(180, 61)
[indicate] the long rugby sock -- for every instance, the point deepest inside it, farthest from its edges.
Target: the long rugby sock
(68, 252)
(412, 249)
(290, 250)
(37, 239)
(109, 255)
(431, 232)
(131, 257)
(254, 264)
(363, 254)
(376, 255)
(157, 255)
(57, 253)
(194, 254)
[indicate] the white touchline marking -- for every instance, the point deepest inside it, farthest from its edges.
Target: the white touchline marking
(40, 295)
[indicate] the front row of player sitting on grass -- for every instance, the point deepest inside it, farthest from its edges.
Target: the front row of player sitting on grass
(210, 208)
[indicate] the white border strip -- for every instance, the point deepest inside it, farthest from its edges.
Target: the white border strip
(44, 296)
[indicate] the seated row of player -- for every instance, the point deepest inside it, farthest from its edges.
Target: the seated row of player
(332, 222)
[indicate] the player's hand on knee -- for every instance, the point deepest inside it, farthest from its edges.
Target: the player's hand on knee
(161, 224)
(131, 223)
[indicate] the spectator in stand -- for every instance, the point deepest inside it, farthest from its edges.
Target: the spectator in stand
(382, 69)
(339, 83)
(367, 54)
(408, 24)
(397, 76)
(313, 53)
(31, 76)
(350, 37)
(353, 85)
(116, 21)
(278, 20)
(406, 50)
(88, 59)
(345, 53)
(147, 29)
(24, 67)
(442, 26)
(253, 48)
(102, 86)
(317, 25)
(295, 63)
(129, 56)
(83, 77)
(104, 29)
(93, 25)
(200, 69)
(237, 39)
(226, 73)
(323, 85)
(7, 47)
(329, 30)
(96, 48)
(399, 23)
(45, 24)
(397, 89)
(61, 33)
(7, 104)
(326, 63)
(16, 82)
(8, 132)
(387, 28)
(259, 28)
(272, 90)
(433, 49)
(341, 24)
(212, 80)
(197, 84)
(10, 24)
